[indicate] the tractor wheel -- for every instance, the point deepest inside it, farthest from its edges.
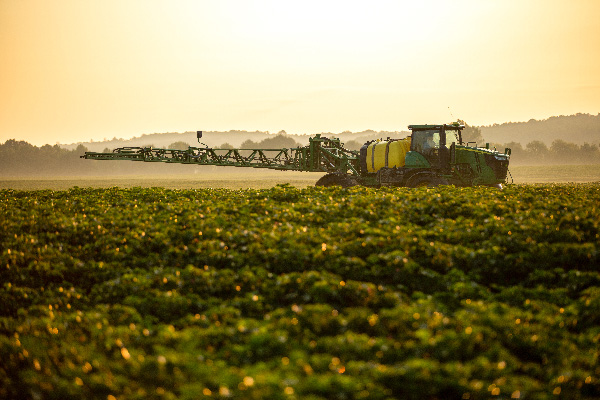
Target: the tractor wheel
(334, 179)
(426, 180)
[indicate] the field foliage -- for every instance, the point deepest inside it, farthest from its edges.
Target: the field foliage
(314, 293)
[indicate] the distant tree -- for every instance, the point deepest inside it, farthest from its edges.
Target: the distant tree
(279, 142)
(17, 156)
(80, 149)
(17, 145)
(537, 150)
(225, 146)
(249, 144)
(563, 151)
(353, 145)
(179, 145)
(590, 153)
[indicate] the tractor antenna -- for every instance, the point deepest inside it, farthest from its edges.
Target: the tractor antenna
(450, 111)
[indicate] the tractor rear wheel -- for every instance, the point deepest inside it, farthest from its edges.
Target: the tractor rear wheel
(336, 179)
(426, 180)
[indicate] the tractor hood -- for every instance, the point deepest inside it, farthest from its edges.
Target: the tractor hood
(489, 166)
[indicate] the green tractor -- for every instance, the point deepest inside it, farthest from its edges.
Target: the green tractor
(432, 155)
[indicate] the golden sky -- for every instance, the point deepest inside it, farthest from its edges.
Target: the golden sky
(75, 70)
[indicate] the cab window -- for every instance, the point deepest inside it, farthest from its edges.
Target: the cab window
(452, 137)
(423, 141)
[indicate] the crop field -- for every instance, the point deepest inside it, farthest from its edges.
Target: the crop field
(300, 293)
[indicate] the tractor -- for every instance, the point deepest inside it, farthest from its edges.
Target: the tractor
(432, 155)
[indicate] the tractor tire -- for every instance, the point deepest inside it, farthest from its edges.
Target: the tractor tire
(426, 180)
(336, 179)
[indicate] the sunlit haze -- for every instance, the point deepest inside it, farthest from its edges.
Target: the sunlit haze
(77, 70)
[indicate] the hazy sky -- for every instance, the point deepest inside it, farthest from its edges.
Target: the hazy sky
(75, 70)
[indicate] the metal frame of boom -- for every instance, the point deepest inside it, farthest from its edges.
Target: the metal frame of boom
(321, 155)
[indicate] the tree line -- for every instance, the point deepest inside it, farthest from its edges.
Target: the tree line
(23, 158)
(578, 128)
(536, 152)
(20, 158)
(559, 152)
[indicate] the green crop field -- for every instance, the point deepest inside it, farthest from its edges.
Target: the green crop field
(306, 293)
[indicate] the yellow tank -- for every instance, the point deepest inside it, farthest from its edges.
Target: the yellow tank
(387, 154)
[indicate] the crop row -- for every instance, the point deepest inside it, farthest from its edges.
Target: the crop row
(311, 293)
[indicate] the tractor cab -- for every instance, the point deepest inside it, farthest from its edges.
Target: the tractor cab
(432, 145)
(440, 148)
